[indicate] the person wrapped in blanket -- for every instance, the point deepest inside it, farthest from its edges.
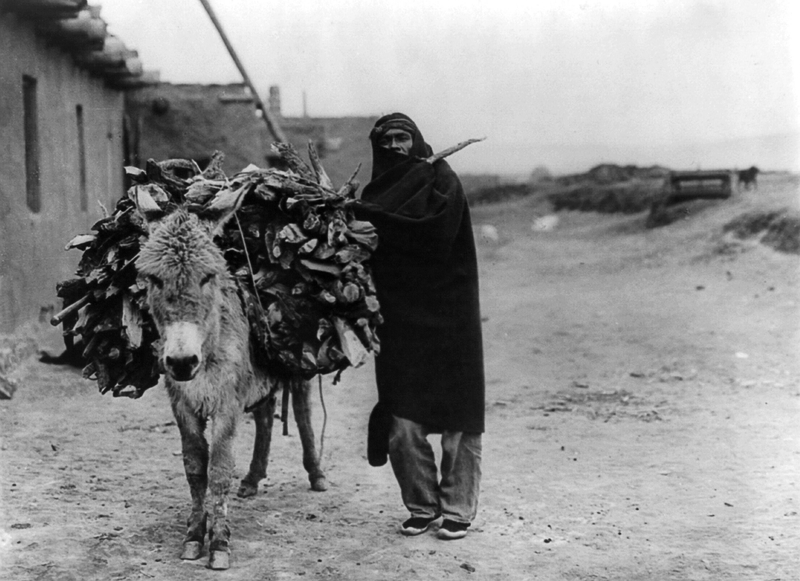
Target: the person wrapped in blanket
(429, 372)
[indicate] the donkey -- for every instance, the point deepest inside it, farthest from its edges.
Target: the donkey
(210, 371)
(747, 178)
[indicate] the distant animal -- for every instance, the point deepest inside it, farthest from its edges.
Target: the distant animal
(747, 178)
(211, 372)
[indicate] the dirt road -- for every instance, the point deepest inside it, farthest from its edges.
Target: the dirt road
(643, 413)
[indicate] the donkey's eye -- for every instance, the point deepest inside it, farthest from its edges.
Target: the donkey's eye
(206, 279)
(155, 281)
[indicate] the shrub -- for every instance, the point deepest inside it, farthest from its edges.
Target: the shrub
(783, 234)
(626, 199)
(751, 223)
(779, 229)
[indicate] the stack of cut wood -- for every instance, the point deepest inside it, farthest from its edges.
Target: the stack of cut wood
(294, 246)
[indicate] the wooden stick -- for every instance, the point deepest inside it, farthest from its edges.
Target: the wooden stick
(316, 164)
(272, 123)
(349, 188)
(451, 150)
(58, 317)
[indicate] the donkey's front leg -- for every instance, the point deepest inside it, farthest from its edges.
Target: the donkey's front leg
(220, 472)
(301, 404)
(263, 416)
(195, 462)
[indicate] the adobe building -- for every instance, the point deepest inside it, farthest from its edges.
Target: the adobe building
(342, 142)
(62, 85)
(192, 121)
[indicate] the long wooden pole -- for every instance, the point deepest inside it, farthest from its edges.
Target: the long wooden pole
(272, 123)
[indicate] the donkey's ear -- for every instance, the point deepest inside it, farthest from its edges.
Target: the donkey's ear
(146, 204)
(222, 207)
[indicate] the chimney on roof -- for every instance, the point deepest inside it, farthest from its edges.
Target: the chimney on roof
(274, 104)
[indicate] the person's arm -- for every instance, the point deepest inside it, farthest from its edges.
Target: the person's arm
(427, 221)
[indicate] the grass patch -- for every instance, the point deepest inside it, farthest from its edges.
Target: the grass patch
(778, 229)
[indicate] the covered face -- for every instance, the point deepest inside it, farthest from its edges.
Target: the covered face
(394, 138)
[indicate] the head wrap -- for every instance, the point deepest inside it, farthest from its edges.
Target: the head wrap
(384, 159)
(380, 129)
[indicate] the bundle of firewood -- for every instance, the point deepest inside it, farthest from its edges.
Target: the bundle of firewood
(294, 246)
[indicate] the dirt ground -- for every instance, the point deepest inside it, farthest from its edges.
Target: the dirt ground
(643, 423)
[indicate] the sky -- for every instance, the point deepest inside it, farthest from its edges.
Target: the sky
(565, 84)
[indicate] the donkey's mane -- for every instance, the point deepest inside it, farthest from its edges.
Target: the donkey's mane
(181, 243)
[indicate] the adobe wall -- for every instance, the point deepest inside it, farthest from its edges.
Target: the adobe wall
(345, 143)
(192, 121)
(32, 256)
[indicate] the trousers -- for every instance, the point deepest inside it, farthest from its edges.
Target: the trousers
(455, 496)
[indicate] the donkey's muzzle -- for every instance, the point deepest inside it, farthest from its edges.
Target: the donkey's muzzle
(182, 368)
(183, 350)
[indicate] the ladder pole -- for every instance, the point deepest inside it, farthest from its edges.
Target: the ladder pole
(272, 123)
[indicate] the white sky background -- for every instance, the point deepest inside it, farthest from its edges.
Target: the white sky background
(562, 83)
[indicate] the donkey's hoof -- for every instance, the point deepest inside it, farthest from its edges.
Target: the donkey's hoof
(247, 489)
(319, 484)
(191, 550)
(219, 560)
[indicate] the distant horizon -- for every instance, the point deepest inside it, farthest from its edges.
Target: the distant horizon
(769, 152)
(774, 151)
(783, 154)
(697, 154)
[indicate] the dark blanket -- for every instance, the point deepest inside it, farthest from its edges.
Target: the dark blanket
(430, 368)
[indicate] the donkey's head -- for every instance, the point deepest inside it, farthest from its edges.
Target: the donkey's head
(187, 275)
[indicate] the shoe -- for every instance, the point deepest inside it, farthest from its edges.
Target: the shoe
(416, 525)
(451, 530)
